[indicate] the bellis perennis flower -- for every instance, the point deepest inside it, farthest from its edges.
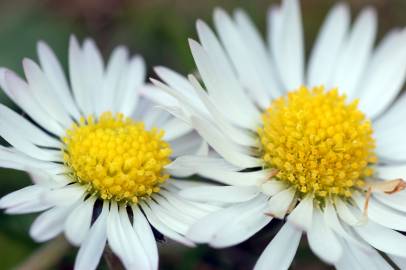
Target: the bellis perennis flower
(322, 148)
(101, 155)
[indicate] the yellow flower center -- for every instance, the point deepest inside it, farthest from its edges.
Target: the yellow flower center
(116, 158)
(317, 143)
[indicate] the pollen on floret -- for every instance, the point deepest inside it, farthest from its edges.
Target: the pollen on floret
(317, 142)
(116, 157)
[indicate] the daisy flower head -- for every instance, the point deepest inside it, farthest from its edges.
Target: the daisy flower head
(320, 147)
(101, 155)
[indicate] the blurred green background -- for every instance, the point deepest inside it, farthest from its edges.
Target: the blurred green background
(158, 30)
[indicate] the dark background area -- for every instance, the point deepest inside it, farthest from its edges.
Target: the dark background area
(158, 30)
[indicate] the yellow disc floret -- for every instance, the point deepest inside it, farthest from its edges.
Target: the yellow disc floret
(317, 142)
(116, 158)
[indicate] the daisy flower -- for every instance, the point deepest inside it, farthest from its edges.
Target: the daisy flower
(101, 155)
(321, 148)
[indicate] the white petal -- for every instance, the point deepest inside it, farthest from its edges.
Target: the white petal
(26, 194)
(23, 126)
(130, 84)
(385, 75)
(185, 145)
(230, 151)
(146, 236)
(117, 62)
(281, 250)
(279, 204)
(395, 201)
(22, 143)
(355, 53)
(383, 238)
(175, 128)
(65, 195)
(242, 227)
(323, 241)
(42, 92)
(302, 215)
(331, 219)
(389, 132)
(76, 67)
(49, 224)
(329, 41)
(399, 261)
(226, 194)
(78, 222)
(236, 111)
(55, 74)
(206, 229)
(162, 227)
(19, 92)
(272, 187)
(289, 51)
(346, 214)
(259, 55)
(382, 214)
(240, 56)
(93, 245)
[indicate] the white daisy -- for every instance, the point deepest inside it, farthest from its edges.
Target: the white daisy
(103, 154)
(318, 148)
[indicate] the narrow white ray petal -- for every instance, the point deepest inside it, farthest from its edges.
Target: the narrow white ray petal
(163, 228)
(93, 245)
(225, 194)
(21, 196)
(176, 221)
(382, 238)
(55, 74)
(281, 250)
(76, 66)
(382, 214)
(239, 135)
(389, 133)
(236, 111)
(279, 204)
(65, 195)
(49, 224)
(174, 200)
(134, 256)
(77, 224)
(331, 219)
(355, 53)
(229, 150)
(260, 55)
(356, 258)
(22, 143)
(386, 70)
(18, 91)
(323, 241)
(23, 126)
(175, 128)
(302, 215)
(395, 201)
(239, 54)
(117, 62)
(185, 145)
(346, 214)
(42, 92)
(146, 236)
(217, 54)
(242, 227)
(130, 83)
(207, 228)
(289, 50)
(92, 73)
(272, 187)
(326, 49)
